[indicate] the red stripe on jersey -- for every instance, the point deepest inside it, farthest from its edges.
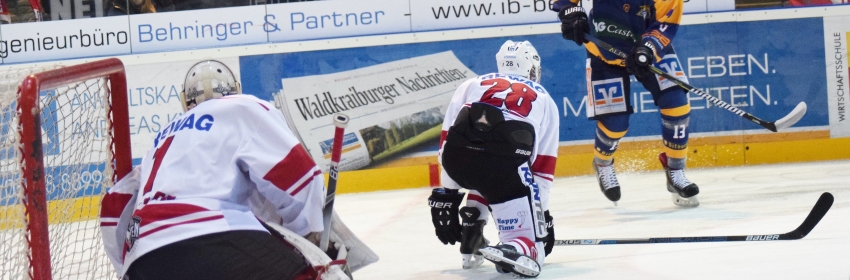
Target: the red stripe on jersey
(264, 106)
(291, 169)
(158, 212)
(477, 198)
(306, 182)
(204, 219)
(443, 135)
(113, 204)
(108, 224)
(544, 164)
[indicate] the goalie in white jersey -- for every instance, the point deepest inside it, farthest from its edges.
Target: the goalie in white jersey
(500, 141)
(193, 208)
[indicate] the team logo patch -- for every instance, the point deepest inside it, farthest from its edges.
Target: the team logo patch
(133, 232)
(606, 28)
(644, 11)
(670, 65)
(608, 96)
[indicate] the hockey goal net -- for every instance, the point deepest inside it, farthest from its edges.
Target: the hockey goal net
(64, 140)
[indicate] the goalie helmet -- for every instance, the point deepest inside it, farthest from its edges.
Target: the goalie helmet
(207, 80)
(519, 58)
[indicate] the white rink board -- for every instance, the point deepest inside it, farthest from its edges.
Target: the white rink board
(763, 199)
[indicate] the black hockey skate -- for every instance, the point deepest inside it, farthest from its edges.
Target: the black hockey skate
(507, 259)
(607, 179)
(683, 191)
(472, 237)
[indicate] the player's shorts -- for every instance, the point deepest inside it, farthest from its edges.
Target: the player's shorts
(486, 157)
(609, 87)
(243, 254)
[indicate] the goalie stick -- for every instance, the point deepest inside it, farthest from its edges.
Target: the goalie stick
(340, 121)
(787, 121)
(818, 211)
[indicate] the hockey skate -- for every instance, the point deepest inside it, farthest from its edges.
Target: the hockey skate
(608, 181)
(507, 259)
(472, 237)
(682, 191)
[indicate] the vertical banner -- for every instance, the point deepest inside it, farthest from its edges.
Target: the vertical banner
(836, 38)
(342, 18)
(393, 106)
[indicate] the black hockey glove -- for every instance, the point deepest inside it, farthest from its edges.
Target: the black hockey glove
(639, 61)
(549, 243)
(444, 206)
(574, 24)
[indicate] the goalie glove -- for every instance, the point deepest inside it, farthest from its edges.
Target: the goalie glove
(444, 214)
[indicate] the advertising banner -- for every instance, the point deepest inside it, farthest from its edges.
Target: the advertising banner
(392, 107)
(52, 40)
(750, 72)
(283, 22)
(451, 14)
(714, 5)
(836, 38)
(328, 19)
(198, 29)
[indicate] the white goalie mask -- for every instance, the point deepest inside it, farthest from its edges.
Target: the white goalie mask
(519, 58)
(207, 80)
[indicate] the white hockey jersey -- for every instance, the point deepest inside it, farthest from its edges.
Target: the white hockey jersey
(207, 171)
(520, 99)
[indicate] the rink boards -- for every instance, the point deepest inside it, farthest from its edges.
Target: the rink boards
(749, 60)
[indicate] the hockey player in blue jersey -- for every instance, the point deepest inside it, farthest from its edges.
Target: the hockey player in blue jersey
(645, 29)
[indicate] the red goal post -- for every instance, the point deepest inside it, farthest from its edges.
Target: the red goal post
(82, 111)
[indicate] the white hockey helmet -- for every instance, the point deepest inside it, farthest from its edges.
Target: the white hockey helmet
(207, 80)
(519, 58)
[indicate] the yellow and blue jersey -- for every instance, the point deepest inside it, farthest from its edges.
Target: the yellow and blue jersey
(622, 23)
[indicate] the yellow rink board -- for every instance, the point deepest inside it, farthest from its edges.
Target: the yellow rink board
(572, 161)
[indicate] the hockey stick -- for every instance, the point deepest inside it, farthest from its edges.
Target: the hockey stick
(793, 117)
(340, 121)
(818, 211)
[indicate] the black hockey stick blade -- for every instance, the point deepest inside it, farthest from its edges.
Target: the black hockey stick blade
(814, 217)
(818, 211)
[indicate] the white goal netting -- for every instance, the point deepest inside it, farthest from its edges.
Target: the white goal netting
(78, 169)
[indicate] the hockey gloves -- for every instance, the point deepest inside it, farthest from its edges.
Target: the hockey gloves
(444, 207)
(574, 24)
(640, 60)
(549, 242)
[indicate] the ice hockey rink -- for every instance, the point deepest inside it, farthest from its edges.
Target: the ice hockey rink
(747, 200)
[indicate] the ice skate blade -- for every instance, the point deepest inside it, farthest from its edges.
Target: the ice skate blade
(523, 266)
(684, 202)
(471, 261)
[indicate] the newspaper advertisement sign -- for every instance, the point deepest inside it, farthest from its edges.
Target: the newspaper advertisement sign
(392, 106)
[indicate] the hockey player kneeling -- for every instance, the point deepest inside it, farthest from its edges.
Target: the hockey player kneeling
(501, 144)
(227, 192)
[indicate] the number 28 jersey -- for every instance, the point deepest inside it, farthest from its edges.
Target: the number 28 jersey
(522, 100)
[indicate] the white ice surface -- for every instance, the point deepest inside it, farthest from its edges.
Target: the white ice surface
(766, 199)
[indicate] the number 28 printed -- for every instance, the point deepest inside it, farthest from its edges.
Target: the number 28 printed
(518, 98)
